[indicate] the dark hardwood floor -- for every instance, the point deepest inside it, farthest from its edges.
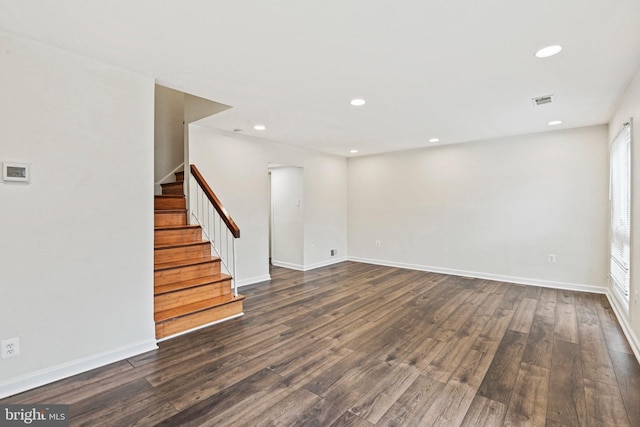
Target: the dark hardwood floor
(362, 345)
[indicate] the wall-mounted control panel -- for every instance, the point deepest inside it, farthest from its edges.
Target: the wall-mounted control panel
(15, 172)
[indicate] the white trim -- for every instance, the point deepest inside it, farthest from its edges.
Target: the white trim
(252, 280)
(489, 276)
(202, 327)
(308, 267)
(622, 300)
(170, 177)
(618, 310)
(287, 265)
(325, 263)
(64, 370)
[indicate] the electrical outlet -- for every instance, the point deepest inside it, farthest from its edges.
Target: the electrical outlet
(334, 252)
(552, 258)
(378, 243)
(10, 348)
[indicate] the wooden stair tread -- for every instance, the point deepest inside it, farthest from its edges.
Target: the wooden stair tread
(173, 188)
(168, 215)
(183, 263)
(196, 307)
(177, 227)
(190, 283)
(182, 245)
(169, 196)
(190, 291)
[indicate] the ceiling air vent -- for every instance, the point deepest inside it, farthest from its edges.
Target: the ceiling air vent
(542, 100)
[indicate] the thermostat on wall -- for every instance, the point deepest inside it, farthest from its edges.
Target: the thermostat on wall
(15, 172)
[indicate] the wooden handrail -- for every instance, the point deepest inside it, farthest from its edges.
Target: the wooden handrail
(231, 225)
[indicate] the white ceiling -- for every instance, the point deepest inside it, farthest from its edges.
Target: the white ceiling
(459, 70)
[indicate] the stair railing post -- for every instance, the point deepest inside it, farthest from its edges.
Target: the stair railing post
(233, 265)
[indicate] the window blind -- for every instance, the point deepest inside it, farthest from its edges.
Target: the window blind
(620, 203)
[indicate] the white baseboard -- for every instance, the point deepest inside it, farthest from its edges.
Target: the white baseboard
(623, 319)
(266, 277)
(308, 267)
(325, 263)
(64, 370)
(488, 276)
(288, 265)
(252, 280)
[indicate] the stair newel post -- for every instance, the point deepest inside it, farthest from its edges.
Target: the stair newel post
(192, 203)
(186, 183)
(234, 274)
(209, 215)
(197, 202)
(223, 247)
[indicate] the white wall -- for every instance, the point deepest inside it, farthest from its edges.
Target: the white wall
(630, 109)
(237, 170)
(76, 259)
(196, 108)
(169, 131)
(492, 209)
(287, 217)
(172, 109)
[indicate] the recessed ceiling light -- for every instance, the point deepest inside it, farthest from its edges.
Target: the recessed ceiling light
(434, 139)
(353, 151)
(548, 51)
(555, 122)
(259, 127)
(358, 102)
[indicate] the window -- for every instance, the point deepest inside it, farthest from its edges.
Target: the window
(620, 203)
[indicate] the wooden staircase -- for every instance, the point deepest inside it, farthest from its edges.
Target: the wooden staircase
(190, 291)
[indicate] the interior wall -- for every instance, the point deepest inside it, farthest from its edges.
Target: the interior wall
(196, 108)
(236, 169)
(168, 131)
(76, 261)
(172, 109)
(494, 209)
(630, 109)
(287, 217)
